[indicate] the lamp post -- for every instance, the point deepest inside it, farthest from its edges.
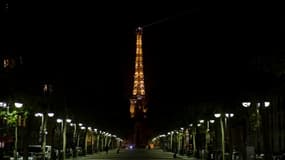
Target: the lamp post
(60, 121)
(43, 130)
(74, 135)
(194, 140)
(63, 127)
(218, 115)
(258, 108)
(17, 105)
(64, 136)
(85, 132)
(221, 117)
(78, 135)
(101, 140)
(193, 131)
(10, 116)
(171, 139)
(228, 132)
(207, 136)
(181, 141)
(91, 133)
(95, 140)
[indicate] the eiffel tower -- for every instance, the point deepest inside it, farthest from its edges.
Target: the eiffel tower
(138, 107)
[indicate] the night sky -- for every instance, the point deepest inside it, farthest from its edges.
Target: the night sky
(191, 53)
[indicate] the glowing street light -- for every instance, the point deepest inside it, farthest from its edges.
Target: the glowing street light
(266, 104)
(3, 104)
(50, 114)
(217, 115)
(59, 120)
(68, 120)
(18, 105)
(39, 115)
(229, 115)
(246, 104)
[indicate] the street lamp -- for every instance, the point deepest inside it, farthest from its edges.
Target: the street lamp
(85, 130)
(78, 136)
(67, 120)
(50, 114)
(43, 130)
(91, 134)
(74, 139)
(218, 115)
(18, 106)
(59, 120)
(246, 104)
(3, 104)
(63, 127)
(257, 110)
(193, 131)
(207, 136)
(221, 116)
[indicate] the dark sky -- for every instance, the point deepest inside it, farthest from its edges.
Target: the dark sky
(197, 52)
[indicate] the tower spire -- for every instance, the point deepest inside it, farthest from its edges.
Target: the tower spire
(138, 95)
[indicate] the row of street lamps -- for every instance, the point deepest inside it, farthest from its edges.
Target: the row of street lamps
(223, 123)
(64, 122)
(43, 128)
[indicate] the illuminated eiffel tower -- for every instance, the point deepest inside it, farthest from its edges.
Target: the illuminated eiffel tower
(138, 107)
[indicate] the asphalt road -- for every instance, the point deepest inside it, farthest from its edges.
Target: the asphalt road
(135, 154)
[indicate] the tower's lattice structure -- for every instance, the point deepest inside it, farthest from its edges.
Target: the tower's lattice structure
(137, 101)
(138, 107)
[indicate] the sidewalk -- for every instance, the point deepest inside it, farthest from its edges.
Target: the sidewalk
(186, 157)
(103, 153)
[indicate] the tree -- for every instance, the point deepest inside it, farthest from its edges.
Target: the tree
(12, 117)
